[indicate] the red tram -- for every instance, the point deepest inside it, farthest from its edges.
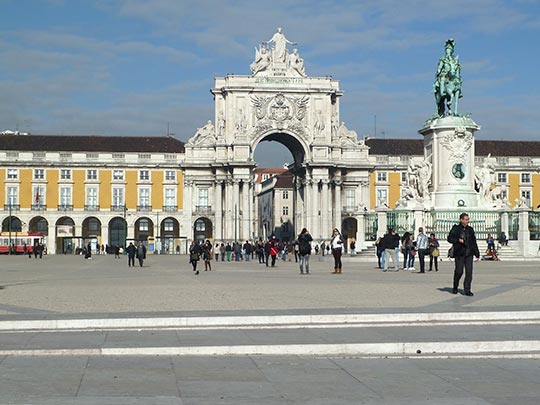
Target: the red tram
(18, 239)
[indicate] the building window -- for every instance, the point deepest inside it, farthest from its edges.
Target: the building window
(12, 174)
(382, 177)
(285, 194)
(91, 174)
(93, 224)
(12, 196)
(168, 225)
(92, 155)
(170, 197)
(502, 178)
(350, 200)
(285, 210)
(144, 225)
(144, 197)
(170, 175)
(118, 175)
(65, 196)
(144, 175)
(118, 197)
(203, 197)
(92, 196)
(525, 177)
(404, 177)
(39, 174)
(144, 156)
(38, 192)
(65, 174)
(265, 176)
(382, 196)
(118, 155)
(526, 194)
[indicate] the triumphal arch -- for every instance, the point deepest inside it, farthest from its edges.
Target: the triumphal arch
(278, 102)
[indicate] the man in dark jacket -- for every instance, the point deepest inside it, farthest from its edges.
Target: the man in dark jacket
(131, 250)
(464, 247)
(141, 253)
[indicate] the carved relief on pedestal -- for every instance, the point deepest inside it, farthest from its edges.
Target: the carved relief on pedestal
(205, 136)
(458, 143)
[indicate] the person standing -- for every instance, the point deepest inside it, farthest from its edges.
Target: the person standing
(304, 250)
(228, 251)
(434, 252)
(247, 251)
(117, 252)
(194, 256)
(405, 250)
(141, 253)
(216, 251)
(323, 247)
(352, 245)
(207, 255)
(464, 247)
(337, 248)
(274, 249)
(296, 251)
(379, 250)
(222, 251)
(422, 246)
(267, 247)
(388, 246)
(131, 250)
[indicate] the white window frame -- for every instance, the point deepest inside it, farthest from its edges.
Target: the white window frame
(12, 174)
(144, 197)
(118, 196)
(65, 199)
(525, 178)
(141, 177)
(350, 197)
(168, 198)
(92, 174)
(203, 196)
(379, 199)
(502, 175)
(382, 177)
(118, 174)
(12, 195)
(285, 195)
(170, 175)
(39, 174)
(42, 197)
(89, 198)
(527, 194)
(65, 174)
(285, 210)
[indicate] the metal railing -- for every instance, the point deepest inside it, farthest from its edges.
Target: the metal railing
(12, 207)
(534, 225)
(170, 208)
(91, 207)
(38, 207)
(371, 224)
(118, 208)
(144, 208)
(65, 207)
(401, 221)
(203, 209)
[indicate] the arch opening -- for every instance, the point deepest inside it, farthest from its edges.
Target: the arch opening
(65, 235)
(117, 232)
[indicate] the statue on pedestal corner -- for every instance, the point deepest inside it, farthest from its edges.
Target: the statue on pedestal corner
(447, 86)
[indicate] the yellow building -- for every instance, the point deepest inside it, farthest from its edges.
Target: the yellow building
(100, 190)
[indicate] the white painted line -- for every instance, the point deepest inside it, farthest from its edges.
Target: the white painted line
(291, 326)
(411, 349)
(230, 321)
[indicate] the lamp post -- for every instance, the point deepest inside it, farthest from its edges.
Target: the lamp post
(9, 227)
(125, 226)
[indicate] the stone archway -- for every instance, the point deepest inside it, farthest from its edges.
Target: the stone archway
(202, 230)
(144, 229)
(39, 225)
(11, 224)
(279, 102)
(65, 235)
(117, 232)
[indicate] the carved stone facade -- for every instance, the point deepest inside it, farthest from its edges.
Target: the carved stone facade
(278, 103)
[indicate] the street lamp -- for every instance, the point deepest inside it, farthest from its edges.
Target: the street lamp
(9, 227)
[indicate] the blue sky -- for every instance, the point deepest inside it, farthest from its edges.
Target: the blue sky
(127, 67)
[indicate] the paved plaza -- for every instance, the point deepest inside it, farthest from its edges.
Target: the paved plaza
(75, 331)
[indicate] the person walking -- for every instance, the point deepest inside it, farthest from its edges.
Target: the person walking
(405, 250)
(194, 256)
(131, 250)
(422, 246)
(141, 253)
(379, 250)
(464, 247)
(323, 247)
(216, 251)
(337, 248)
(207, 255)
(117, 252)
(247, 251)
(267, 246)
(304, 250)
(296, 251)
(411, 246)
(274, 250)
(434, 252)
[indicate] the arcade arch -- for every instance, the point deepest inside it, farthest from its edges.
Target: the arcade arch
(117, 232)
(11, 223)
(39, 225)
(64, 235)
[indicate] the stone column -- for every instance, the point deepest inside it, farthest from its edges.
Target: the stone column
(316, 223)
(338, 204)
(51, 240)
(382, 221)
(505, 225)
(418, 214)
(245, 211)
(524, 235)
(236, 209)
(105, 234)
(188, 209)
(218, 226)
(360, 232)
(228, 232)
(252, 210)
(326, 227)
(308, 194)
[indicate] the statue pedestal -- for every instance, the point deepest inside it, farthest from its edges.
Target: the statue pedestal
(449, 145)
